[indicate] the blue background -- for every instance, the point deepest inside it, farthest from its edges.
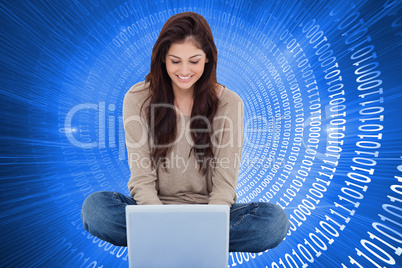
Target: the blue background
(66, 65)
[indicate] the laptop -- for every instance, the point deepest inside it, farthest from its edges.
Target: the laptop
(177, 236)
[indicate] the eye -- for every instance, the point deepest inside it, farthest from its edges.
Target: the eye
(193, 62)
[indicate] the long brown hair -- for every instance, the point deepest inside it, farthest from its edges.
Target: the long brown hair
(163, 128)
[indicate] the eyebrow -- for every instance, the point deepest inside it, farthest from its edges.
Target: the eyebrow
(190, 57)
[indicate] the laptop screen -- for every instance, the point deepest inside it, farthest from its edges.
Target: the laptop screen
(178, 235)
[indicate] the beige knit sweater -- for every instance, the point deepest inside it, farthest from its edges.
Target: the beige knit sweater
(183, 183)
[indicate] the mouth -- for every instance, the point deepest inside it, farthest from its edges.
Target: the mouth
(184, 78)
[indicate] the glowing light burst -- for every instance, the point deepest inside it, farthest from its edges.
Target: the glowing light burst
(322, 129)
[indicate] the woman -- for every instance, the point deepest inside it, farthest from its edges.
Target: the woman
(184, 136)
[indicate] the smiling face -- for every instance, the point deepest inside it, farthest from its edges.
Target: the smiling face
(185, 65)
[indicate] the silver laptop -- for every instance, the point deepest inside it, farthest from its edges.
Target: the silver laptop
(178, 236)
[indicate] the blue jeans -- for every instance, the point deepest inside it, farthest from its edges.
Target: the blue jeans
(254, 227)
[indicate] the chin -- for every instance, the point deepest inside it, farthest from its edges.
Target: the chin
(184, 86)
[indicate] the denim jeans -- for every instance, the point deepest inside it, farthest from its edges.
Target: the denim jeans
(254, 227)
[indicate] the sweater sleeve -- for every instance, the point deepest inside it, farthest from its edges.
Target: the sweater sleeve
(228, 155)
(142, 183)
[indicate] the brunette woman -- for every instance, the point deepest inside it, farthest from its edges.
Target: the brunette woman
(184, 137)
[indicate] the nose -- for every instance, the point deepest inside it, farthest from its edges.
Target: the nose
(185, 69)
